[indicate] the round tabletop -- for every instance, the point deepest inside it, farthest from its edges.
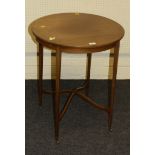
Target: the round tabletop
(77, 30)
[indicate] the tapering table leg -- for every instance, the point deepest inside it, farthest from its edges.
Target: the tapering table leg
(57, 94)
(40, 73)
(113, 84)
(88, 67)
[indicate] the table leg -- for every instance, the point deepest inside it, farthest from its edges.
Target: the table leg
(88, 67)
(40, 73)
(112, 91)
(57, 94)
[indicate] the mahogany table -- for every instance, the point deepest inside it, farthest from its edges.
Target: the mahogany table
(76, 33)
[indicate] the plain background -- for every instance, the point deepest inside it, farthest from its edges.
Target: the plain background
(12, 79)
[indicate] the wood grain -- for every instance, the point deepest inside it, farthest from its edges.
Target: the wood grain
(82, 31)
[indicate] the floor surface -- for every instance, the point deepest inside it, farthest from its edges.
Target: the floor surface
(83, 130)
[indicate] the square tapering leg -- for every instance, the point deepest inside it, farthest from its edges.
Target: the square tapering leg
(88, 68)
(40, 73)
(57, 94)
(113, 85)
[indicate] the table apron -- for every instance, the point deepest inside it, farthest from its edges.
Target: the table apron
(77, 50)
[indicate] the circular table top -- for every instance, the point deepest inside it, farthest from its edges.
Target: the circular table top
(77, 30)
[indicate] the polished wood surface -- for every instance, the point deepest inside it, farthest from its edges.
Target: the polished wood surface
(77, 30)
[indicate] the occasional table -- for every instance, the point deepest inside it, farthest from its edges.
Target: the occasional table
(76, 33)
